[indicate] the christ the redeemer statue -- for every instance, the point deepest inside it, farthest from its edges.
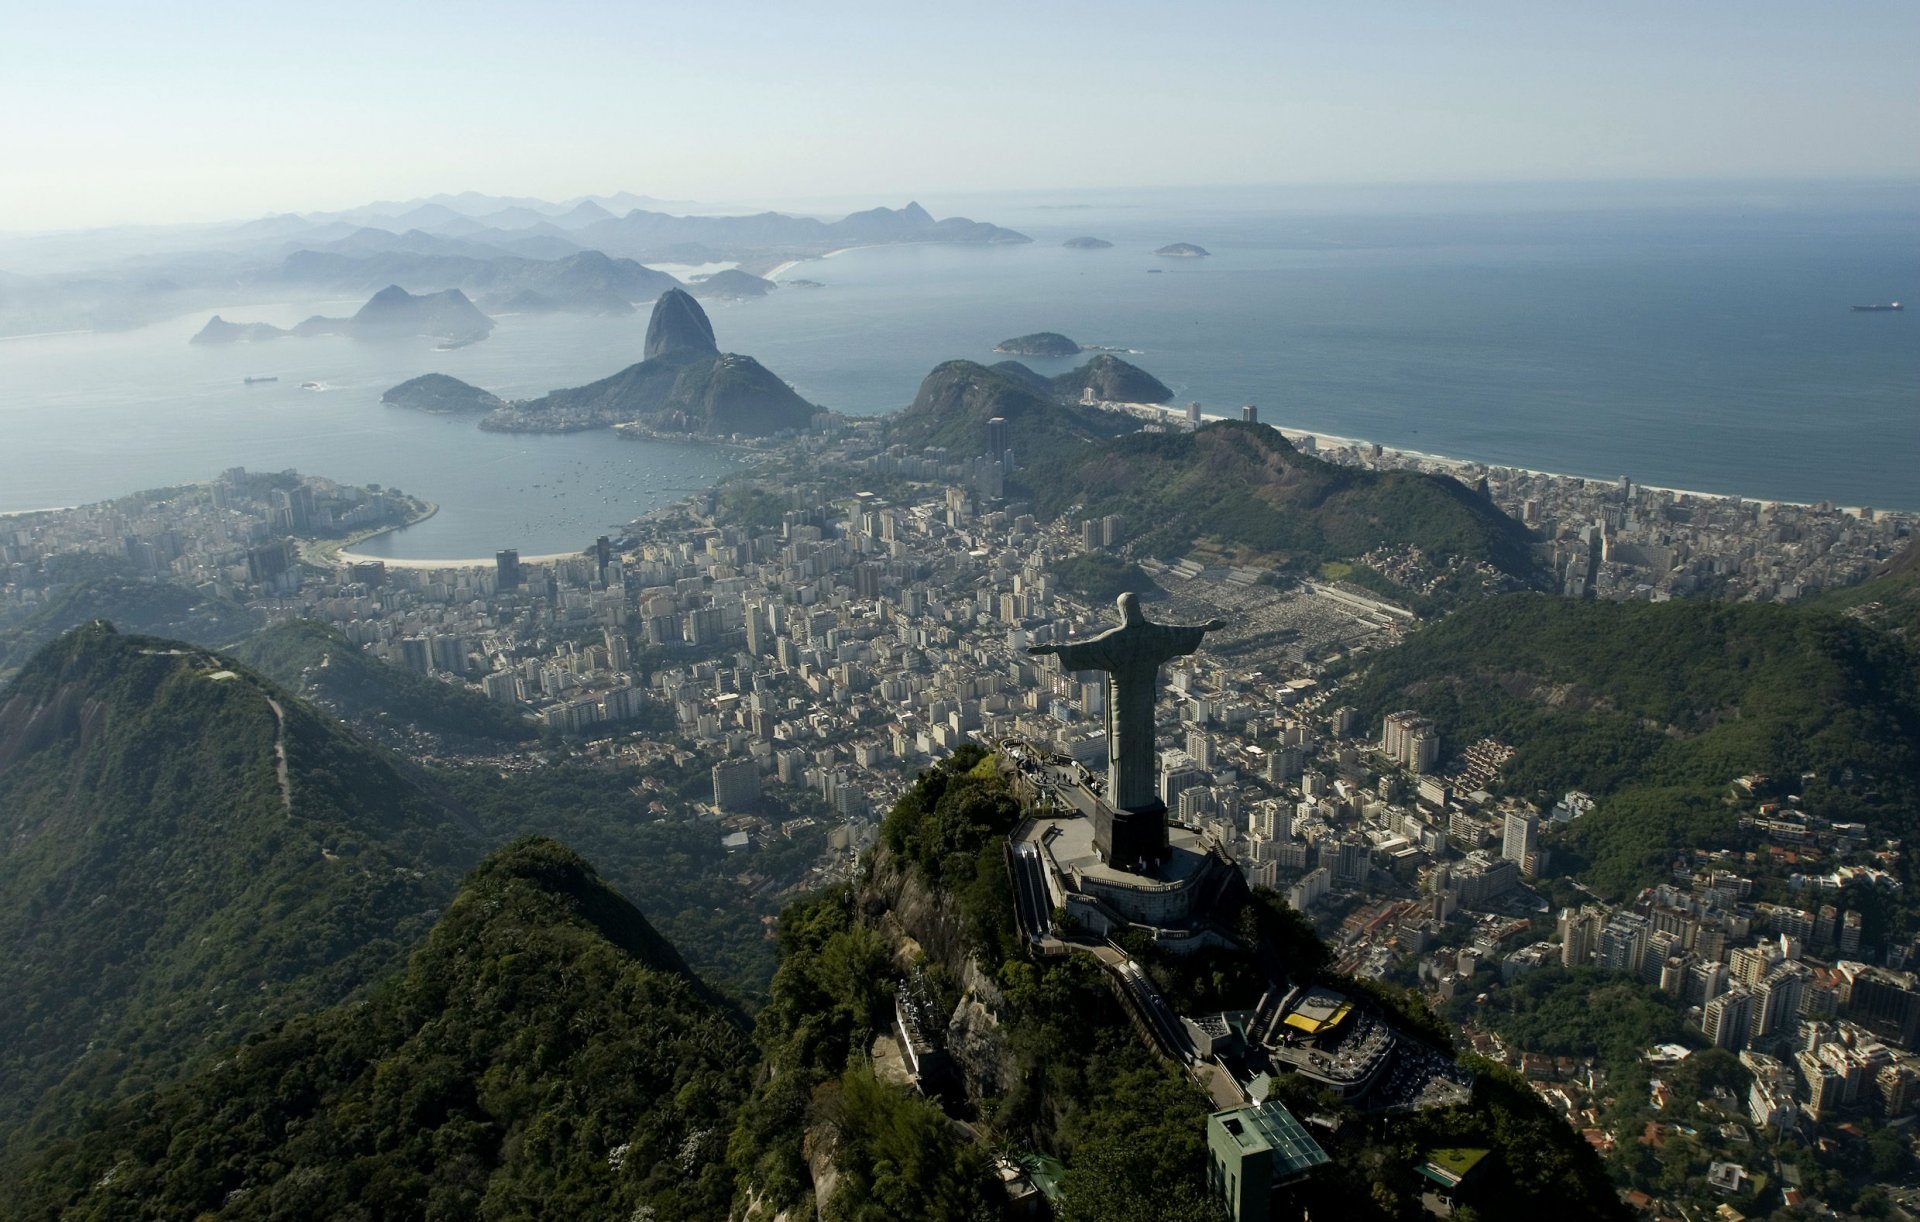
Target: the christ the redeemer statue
(1131, 655)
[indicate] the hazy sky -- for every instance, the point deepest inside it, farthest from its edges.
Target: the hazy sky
(157, 112)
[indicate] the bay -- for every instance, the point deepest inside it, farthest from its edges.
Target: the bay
(1696, 338)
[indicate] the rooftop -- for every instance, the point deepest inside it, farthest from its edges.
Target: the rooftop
(1270, 1126)
(1451, 1167)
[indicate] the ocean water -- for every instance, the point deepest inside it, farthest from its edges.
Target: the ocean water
(1695, 338)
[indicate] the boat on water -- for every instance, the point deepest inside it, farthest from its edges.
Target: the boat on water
(1879, 309)
(309, 386)
(251, 381)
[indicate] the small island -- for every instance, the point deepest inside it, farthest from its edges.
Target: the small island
(1040, 343)
(731, 285)
(438, 393)
(219, 331)
(1183, 250)
(1088, 244)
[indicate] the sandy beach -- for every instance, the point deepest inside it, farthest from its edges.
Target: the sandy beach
(482, 562)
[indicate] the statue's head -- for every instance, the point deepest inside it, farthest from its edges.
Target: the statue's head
(1129, 604)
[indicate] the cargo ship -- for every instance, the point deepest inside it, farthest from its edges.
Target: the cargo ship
(251, 381)
(1880, 309)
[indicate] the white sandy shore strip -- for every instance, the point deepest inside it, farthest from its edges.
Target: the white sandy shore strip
(483, 562)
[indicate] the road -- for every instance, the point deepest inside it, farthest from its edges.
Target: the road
(280, 754)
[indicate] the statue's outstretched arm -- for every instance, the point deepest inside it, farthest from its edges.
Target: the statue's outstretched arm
(1214, 625)
(1042, 650)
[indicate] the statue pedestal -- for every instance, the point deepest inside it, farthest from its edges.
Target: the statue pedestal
(1133, 840)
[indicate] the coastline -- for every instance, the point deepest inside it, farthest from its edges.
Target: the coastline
(329, 552)
(1337, 441)
(483, 562)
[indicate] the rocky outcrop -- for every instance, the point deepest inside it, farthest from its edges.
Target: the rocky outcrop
(685, 385)
(679, 328)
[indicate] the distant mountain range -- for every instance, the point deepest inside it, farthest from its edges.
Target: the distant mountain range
(511, 255)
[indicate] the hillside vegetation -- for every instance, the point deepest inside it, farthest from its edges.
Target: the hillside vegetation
(1656, 707)
(545, 1054)
(160, 894)
(1243, 487)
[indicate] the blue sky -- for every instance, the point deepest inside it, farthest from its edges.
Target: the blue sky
(122, 112)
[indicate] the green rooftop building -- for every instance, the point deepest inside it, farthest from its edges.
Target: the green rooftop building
(1252, 1151)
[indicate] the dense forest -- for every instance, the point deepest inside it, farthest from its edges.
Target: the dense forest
(162, 895)
(544, 1054)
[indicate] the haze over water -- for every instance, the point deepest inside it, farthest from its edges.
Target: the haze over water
(1688, 341)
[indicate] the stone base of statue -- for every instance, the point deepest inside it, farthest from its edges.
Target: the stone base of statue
(1131, 840)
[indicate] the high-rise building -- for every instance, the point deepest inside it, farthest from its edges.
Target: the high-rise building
(1885, 1003)
(416, 654)
(1706, 980)
(1249, 413)
(1747, 964)
(1662, 945)
(1776, 1002)
(736, 785)
(1622, 942)
(999, 437)
(1850, 930)
(506, 569)
(1200, 747)
(1521, 838)
(1579, 934)
(1410, 740)
(619, 656)
(1725, 1019)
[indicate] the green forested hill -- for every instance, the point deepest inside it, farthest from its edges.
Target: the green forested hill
(319, 661)
(161, 896)
(1655, 707)
(1241, 486)
(545, 1054)
(161, 893)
